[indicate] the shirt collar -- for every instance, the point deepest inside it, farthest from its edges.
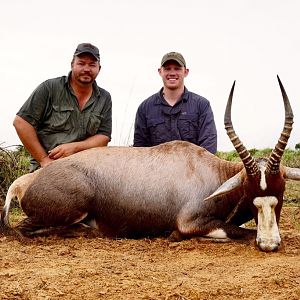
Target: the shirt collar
(160, 98)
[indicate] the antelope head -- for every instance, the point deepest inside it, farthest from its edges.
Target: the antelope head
(262, 180)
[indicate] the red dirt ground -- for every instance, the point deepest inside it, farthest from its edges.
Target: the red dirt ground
(100, 268)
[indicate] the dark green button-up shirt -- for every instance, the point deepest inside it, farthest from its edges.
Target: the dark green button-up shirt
(53, 110)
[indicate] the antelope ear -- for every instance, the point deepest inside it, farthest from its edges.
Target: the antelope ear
(229, 185)
(291, 173)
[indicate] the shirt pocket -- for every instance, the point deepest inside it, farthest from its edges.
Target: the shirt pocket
(95, 120)
(158, 131)
(188, 127)
(60, 120)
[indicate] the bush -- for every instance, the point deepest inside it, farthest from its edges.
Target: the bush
(13, 164)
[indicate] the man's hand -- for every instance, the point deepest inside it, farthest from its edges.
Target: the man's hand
(46, 161)
(63, 150)
(68, 149)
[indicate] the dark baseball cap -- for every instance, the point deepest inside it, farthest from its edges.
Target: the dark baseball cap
(173, 56)
(87, 48)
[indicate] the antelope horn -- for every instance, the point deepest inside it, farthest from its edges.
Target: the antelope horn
(275, 157)
(247, 159)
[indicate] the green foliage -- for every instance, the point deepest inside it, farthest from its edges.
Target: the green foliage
(291, 158)
(260, 153)
(13, 164)
(230, 156)
(234, 157)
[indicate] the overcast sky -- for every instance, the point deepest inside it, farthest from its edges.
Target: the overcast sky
(250, 41)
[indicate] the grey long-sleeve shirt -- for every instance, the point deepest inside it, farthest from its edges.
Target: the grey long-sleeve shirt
(190, 119)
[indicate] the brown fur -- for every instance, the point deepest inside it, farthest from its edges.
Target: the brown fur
(136, 192)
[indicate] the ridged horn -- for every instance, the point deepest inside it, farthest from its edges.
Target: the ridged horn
(276, 155)
(248, 161)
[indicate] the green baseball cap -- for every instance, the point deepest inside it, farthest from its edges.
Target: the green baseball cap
(174, 56)
(87, 48)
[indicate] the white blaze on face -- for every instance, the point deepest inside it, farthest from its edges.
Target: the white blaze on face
(268, 237)
(263, 183)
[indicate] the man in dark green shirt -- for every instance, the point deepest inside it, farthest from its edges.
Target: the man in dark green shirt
(67, 114)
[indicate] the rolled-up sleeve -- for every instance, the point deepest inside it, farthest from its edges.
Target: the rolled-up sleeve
(34, 108)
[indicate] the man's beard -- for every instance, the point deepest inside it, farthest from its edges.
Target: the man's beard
(85, 81)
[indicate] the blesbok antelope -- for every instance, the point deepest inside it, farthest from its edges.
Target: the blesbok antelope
(174, 187)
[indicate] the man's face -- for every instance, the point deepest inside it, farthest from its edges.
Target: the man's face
(85, 68)
(173, 75)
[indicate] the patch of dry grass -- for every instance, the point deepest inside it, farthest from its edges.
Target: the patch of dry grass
(14, 162)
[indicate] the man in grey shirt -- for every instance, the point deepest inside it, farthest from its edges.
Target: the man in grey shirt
(67, 114)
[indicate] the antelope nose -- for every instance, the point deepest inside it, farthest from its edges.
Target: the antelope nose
(268, 247)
